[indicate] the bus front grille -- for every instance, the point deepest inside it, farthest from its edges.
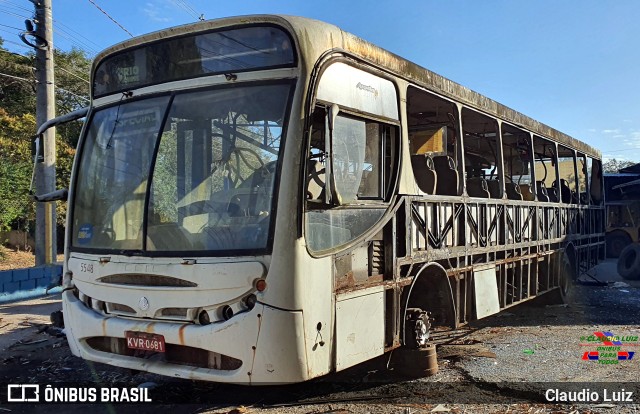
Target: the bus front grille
(175, 354)
(131, 279)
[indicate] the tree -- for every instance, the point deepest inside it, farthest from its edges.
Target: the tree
(18, 127)
(16, 208)
(613, 166)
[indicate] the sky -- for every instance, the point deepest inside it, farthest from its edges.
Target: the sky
(573, 64)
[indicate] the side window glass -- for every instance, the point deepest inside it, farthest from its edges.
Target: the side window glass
(357, 159)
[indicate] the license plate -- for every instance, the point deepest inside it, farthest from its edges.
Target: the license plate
(145, 341)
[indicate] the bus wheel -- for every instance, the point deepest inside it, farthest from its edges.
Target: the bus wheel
(616, 242)
(629, 262)
(566, 279)
(417, 328)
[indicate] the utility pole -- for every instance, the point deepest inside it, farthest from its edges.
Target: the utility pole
(46, 245)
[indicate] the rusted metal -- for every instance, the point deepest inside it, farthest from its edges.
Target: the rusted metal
(315, 38)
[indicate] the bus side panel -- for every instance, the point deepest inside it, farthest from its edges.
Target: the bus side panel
(360, 327)
(280, 354)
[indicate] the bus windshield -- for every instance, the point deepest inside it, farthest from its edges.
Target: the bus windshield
(187, 172)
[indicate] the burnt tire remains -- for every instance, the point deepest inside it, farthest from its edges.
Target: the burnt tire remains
(629, 262)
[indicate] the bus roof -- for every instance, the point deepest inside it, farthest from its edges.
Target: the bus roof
(322, 36)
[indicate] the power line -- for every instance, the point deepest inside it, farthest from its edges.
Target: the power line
(36, 82)
(16, 6)
(17, 65)
(73, 94)
(22, 45)
(18, 78)
(69, 30)
(22, 16)
(17, 44)
(7, 31)
(11, 27)
(186, 6)
(16, 54)
(73, 74)
(73, 41)
(111, 18)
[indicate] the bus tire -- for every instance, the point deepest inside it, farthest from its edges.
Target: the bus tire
(567, 279)
(629, 262)
(616, 242)
(563, 294)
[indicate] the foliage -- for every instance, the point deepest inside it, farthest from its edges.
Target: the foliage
(18, 126)
(16, 207)
(614, 166)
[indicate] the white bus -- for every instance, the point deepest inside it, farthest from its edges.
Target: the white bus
(268, 199)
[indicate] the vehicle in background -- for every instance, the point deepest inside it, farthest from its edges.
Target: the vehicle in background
(622, 195)
(623, 225)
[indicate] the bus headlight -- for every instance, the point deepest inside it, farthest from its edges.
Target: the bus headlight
(203, 318)
(227, 312)
(250, 301)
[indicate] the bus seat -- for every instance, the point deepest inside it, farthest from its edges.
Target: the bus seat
(513, 191)
(477, 187)
(541, 191)
(527, 195)
(168, 236)
(424, 172)
(494, 188)
(447, 182)
(544, 193)
(315, 180)
(220, 237)
(565, 192)
(552, 193)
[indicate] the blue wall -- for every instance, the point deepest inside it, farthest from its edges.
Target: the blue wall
(33, 281)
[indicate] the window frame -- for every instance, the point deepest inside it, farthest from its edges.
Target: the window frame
(268, 249)
(390, 181)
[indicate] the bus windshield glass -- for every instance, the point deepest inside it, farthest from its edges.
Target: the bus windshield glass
(226, 51)
(190, 172)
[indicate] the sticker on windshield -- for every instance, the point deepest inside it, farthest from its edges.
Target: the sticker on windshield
(85, 234)
(137, 122)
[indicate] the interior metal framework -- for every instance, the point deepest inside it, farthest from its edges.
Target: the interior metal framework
(428, 251)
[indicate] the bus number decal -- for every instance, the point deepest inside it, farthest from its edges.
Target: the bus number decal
(86, 267)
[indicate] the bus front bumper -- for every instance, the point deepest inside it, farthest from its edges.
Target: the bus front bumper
(261, 346)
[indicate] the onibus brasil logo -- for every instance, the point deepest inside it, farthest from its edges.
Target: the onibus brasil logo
(608, 347)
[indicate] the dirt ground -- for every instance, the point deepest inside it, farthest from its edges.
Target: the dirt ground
(18, 259)
(501, 364)
(15, 259)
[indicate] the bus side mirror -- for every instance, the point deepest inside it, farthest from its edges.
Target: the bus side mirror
(334, 194)
(57, 195)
